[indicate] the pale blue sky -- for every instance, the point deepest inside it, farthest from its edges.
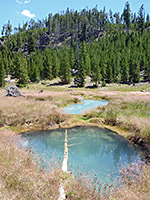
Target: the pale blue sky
(19, 11)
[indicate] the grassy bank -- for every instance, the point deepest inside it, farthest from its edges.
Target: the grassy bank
(128, 114)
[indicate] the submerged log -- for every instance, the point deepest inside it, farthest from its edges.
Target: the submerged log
(65, 160)
(13, 91)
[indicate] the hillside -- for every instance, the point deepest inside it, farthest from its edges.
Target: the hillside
(107, 47)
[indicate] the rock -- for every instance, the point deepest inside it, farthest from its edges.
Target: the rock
(74, 72)
(40, 91)
(13, 91)
(44, 39)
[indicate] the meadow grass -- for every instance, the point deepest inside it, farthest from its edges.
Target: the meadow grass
(127, 88)
(41, 112)
(133, 116)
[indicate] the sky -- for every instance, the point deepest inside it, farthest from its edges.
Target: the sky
(19, 11)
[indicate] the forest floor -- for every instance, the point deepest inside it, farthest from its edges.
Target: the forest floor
(127, 113)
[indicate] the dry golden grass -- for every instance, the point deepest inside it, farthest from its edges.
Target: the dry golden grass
(19, 177)
(81, 189)
(29, 112)
(136, 186)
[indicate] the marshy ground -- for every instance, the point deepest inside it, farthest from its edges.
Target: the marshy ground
(128, 113)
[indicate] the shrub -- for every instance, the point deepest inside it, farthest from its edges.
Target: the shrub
(111, 116)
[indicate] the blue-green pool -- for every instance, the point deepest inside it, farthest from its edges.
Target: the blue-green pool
(97, 151)
(85, 106)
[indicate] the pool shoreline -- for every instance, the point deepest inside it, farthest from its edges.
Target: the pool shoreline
(72, 123)
(94, 142)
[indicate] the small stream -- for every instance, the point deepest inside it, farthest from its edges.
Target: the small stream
(85, 106)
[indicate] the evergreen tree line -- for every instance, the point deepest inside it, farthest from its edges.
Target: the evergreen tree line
(118, 57)
(86, 25)
(93, 44)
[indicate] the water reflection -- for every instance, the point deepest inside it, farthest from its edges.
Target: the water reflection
(49, 145)
(92, 149)
(100, 151)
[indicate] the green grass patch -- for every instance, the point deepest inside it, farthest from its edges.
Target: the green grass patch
(131, 115)
(127, 88)
(86, 118)
(106, 98)
(137, 108)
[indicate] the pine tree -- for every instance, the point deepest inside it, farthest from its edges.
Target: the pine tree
(117, 66)
(49, 23)
(39, 63)
(116, 15)
(13, 42)
(147, 24)
(5, 54)
(31, 41)
(47, 65)
(127, 15)
(84, 30)
(140, 19)
(134, 69)
(86, 59)
(55, 65)
(65, 73)
(20, 66)
(72, 59)
(109, 73)
(7, 29)
(124, 69)
(147, 70)
(33, 70)
(84, 66)
(95, 71)
(111, 16)
(2, 73)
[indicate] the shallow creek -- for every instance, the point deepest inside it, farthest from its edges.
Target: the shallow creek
(85, 106)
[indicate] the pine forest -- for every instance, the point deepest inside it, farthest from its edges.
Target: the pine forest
(107, 47)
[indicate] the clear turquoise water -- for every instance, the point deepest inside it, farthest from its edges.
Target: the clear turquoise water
(84, 107)
(91, 149)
